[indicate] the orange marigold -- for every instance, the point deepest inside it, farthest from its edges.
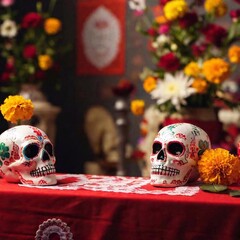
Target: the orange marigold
(161, 19)
(218, 166)
(149, 84)
(137, 107)
(216, 70)
(234, 54)
(45, 62)
(17, 108)
(52, 26)
(200, 85)
(216, 7)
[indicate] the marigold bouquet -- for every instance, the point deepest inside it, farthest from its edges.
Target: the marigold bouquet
(193, 53)
(29, 44)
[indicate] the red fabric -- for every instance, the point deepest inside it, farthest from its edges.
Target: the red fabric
(212, 128)
(84, 10)
(94, 215)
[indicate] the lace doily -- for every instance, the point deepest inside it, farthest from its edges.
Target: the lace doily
(137, 185)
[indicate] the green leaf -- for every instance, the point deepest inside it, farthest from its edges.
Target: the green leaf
(213, 188)
(234, 193)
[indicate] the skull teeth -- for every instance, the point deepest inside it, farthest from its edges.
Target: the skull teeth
(43, 171)
(164, 170)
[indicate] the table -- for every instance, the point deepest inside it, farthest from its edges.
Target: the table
(88, 207)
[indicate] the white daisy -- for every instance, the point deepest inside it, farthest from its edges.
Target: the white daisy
(8, 29)
(162, 39)
(138, 5)
(174, 88)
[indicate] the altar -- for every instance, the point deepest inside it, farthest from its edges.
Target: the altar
(91, 207)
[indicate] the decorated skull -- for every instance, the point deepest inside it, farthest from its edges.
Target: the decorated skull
(175, 152)
(27, 156)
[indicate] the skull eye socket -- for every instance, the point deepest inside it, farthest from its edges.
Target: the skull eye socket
(49, 148)
(175, 148)
(31, 150)
(157, 146)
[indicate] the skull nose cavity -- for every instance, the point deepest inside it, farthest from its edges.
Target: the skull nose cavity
(45, 156)
(161, 155)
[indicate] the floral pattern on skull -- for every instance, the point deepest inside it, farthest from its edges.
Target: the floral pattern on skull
(27, 156)
(175, 152)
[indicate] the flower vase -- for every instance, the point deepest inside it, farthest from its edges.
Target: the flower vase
(33, 92)
(44, 112)
(205, 118)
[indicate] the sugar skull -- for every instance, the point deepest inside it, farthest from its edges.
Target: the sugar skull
(175, 152)
(27, 156)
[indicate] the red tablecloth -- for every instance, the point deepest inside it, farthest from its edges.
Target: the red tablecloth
(89, 211)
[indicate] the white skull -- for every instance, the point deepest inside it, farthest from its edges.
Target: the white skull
(175, 152)
(27, 156)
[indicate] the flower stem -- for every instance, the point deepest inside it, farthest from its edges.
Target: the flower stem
(52, 6)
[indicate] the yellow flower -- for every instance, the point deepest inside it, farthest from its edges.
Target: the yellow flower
(137, 107)
(216, 7)
(45, 62)
(16, 108)
(149, 84)
(200, 85)
(52, 26)
(175, 9)
(234, 54)
(216, 70)
(218, 166)
(192, 69)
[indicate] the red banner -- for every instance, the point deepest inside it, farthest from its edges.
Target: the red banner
(100, 37)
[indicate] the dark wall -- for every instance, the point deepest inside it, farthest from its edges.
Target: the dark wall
(78, 93)
(81, 92)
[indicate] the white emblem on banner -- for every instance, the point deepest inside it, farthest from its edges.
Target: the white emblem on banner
(101, 37)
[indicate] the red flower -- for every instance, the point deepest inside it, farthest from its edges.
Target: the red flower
(214, 34)
(40, 75)
(5, 77)
(237, 1)
(198, 50)
(164, 28)
(169, 62)
(163, 2)
(9, 67)
(31, 20)
(152, 32)
(188, 20)
(29, 51)
(138, 155)
(235, 14)
(123, 88)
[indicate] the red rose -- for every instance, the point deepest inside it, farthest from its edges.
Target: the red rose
(164, 28)
(5, 77)
(9, 67)
(31, 20)
(198, 50)
(40, 75)
(188, 20)
(235, 14)
(123, 88)
(152, 32)
(163, 2)
(214, 34)
(169, 62)
(29, 51)
(237, 1)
